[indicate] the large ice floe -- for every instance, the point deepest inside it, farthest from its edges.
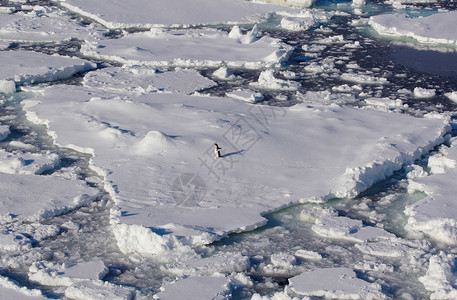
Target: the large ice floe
(145, 14)
(25, 67)
(155, 153)
(435, 215)
(190, 48)
(437, 28)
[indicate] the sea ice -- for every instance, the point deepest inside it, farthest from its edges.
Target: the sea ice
(363, 78)
(4, 132)
(196, 287)
(27, 163)
(435, 215)
(190, 48)
(10, 290)
(268, 81)
(334, 283)
(424, 93)
(98, 290)
(245, 95)
(437, 28)
(44, 24)
(224, 74)
(146, 14)
(147, 157)
(452, 96)
(31, 67)
(33, 197)
(441, 276)
(67, 274)
(7, 86)
(304, 19)
(144, 80)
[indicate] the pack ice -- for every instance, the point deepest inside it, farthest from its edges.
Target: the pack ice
(155, 153)
(437, 28)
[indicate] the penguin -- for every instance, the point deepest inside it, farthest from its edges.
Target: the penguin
(217, 150)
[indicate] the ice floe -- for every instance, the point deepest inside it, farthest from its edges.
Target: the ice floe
(435, 215)
(328, 160)
(146, 14)
(146, 80)
(32, 197)
(452, 96)
(334, 283)
(304, 20)
(27, 163)
(10, 290)
(44, 24)
(267, 80)
(25, 67)
(98, 290)
(437, 28)
(245, 95)
(191, 48)
(4, 132)
(423, 93)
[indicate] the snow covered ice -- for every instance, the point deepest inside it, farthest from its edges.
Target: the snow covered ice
(338, 153)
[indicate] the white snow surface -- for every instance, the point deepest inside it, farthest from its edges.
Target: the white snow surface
(10, 290)
(30, 67)
(98, 290)
(44, 24)
(4, 132)
(435, 215)
(145, 80)
(436, 29)
(334, 283)
(143, 144)
(66, 274)
(146, 14)
(196, 288)
(191, 48)
(33, 197)
(440, 278)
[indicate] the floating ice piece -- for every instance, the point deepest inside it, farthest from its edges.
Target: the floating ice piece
(374, 267)
(358, 3)
(98, 290)
(424, 93)
(144, 80)
(384, 248)
(27, 163)
(435, 215)
(308, 255)
(41, 197)
(45, 26)
(350, 150)
(222, 263)
(336, 39)
(267, 80)
(29, 67)
(348, 229)
(190, 48)
(325, 98)
(304, 19)
(146, 14)
(441, 277)
(4, 132)
(363, 79)
(324, 66)
(300, 3)
(385, 103)
(245, 95)
(452, 96)
(334, 283)
(10, 290)
(311, 213)
(67, 274)
(7, 86)
(196, 288)
(224, 74)
(17, 235)
(437, 28)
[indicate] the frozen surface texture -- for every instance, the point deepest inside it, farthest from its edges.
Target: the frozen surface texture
(145, 14)
(32, 197)
(436, 29)
(10, 290)
(145, 145)
(334, 283)
(98, 290)
(191, 48)
(441, 276)
(27, 163)
(435, 215)
(30, 67)
(4, 132)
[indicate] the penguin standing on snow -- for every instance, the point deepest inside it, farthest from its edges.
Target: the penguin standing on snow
(217, 150)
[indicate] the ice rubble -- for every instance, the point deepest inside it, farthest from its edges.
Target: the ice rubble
(10, 290)
(437, 28)
(141, 149)
(44, 24)
(4, 132)
(146, 14)
(191, 48)
(98, 290)
(25, 67)
(424, 93)
(435, 215)
(146, 80)
(27, 163)
(334, 283)
(440, 278)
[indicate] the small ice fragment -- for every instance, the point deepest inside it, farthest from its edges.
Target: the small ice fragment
(452, 96)
(7, 86)
(424, 93)
(4, 132)
(98, 290)
(245, 95)
(224, 74)
(308, 255)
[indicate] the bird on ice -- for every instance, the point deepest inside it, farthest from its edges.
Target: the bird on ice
(217, 150)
